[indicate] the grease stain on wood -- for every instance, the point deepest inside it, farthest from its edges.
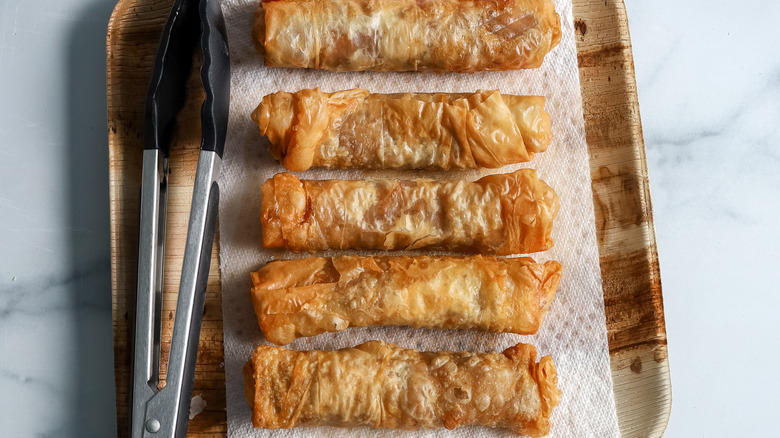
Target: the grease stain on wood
(581, 27)
(636, 365)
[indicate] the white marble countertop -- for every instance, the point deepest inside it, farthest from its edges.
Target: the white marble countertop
(708, 75)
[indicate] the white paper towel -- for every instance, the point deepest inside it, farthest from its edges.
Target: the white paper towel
(574, 332)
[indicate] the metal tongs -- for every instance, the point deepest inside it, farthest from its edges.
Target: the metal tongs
(165, 413)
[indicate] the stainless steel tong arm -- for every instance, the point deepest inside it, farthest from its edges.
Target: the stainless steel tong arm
(165, 413)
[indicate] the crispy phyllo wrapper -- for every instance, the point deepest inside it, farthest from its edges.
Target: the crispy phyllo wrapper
(498, 214)
(380, 385)
(307, 297)
(406, 35)
(355, 129)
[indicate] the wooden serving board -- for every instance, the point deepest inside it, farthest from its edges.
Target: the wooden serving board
(624, 221)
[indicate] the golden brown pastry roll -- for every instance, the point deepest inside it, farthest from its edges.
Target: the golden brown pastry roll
(406, 35)
(295, 298)
(498, 214)
(381, 385)
(355, 129)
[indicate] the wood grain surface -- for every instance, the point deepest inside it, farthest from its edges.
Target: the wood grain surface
(624, 221)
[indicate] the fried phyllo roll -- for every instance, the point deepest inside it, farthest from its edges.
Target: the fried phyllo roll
(381, 385)
(406, 35)
(355, 129)
(498, 214)
(307, 297)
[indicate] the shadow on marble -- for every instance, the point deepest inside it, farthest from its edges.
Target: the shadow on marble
(91, 403)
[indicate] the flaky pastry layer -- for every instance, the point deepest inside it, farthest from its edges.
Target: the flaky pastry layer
(498, 214)
(381, 385)
(355, 129)
(406, 35)
(307, 297)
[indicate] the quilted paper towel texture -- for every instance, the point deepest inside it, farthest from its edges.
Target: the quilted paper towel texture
(574, 332)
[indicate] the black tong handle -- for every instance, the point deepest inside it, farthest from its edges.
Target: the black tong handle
(215, 76)
(168, 86)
